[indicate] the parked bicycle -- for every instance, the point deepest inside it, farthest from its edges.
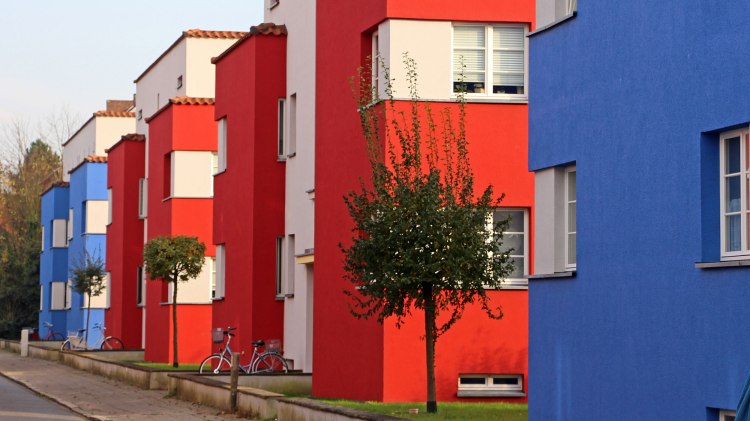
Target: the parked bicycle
(266, 361)
(51, 334)
(77, 341)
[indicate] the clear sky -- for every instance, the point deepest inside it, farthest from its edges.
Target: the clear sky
(79, 53)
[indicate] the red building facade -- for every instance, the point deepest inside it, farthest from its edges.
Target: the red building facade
(125, 170)
(249, 185)
(364, 360)
(181, 163)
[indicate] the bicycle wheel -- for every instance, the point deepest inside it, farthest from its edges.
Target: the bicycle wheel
(215, 364)
(269, 363)
(57, 337)
(112, 343)
(65, 346)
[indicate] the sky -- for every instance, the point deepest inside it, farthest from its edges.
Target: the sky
(76, 54)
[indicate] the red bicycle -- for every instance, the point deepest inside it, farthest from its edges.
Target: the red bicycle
(51, 334)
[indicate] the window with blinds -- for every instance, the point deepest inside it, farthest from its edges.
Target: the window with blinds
(489, 59)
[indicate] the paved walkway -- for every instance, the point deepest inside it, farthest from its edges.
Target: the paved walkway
(20, 403)
(96, 397)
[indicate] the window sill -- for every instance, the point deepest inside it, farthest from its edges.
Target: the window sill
(544, 28)
(217, 299)
(568, 274)
(724, 264)
(489, 394)
(207, 303)
(280, 297)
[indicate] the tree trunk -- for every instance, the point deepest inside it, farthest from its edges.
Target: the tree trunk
(88, 316)
(175, 363)
(429, 335)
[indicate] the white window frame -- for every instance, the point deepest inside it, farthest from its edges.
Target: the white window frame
(109, 206)
(520, 283)
(42, 248)
(567, 232)
(68, 294)
(489, 389)
(214, 170)
(725, 414)
(744, 212)
(375, 65)
(41, 297)
(279, 266)
(488, 56)
(219, 272)
(291, 132)
(221, 150)
(70, 224)
(142, 198)
(291, 262)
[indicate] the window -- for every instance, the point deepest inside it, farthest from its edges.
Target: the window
(142, 198)
(735, 170)
(479, 385)
(214, 169)
(291, 149)
(41, 297)
(273, 3)
(42, 248)
(279, 264)
(167, 171)
(727, 415)
(375, 66)
(570, 218)
(109, 206)
(139, 285)
(58, 293)
(515, 237)
(140, 115)
(218, 277)
(555, 223)
(491, 59)
(70, 224)
(179, 81)
(280, 129)
(59, 233)
(291, 262)
(68, 294)
(221, 162)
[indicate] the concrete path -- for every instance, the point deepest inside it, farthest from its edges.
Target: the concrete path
(96, 397)
(19, 403)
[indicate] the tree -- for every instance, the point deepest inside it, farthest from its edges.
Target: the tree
(421, 237)
(88, 278)
(22, 180)
(173, 259)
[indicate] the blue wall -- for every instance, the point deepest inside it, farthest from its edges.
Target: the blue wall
(635, 92)
(53, 263)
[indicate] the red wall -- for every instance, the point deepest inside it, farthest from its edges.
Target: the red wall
(178, 127)
(249, 194)
(126, 163)
(361, 359)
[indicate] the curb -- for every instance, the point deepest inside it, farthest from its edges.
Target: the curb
(60, 402)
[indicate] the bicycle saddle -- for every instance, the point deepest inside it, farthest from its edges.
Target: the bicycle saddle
(258, 343)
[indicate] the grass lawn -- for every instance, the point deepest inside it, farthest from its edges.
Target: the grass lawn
(446, 410)
(166, 366)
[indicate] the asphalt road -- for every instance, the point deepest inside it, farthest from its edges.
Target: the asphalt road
(20, 404)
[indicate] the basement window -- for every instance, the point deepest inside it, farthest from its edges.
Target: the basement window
(490, 385)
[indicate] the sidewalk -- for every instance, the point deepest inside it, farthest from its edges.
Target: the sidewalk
(99, 398)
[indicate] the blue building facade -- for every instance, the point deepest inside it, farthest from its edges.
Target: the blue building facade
(53, 268)
(643, 315)
(87, 214)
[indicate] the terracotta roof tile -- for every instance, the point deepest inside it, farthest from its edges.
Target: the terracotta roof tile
(95, 158)
(268, 28)
(200, 33)
(114, 114)
(187, 100)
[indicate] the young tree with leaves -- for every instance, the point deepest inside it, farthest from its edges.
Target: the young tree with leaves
(171, 260)
(421, 235)
(88, 278)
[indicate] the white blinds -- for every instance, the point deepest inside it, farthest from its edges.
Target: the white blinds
(469, 47)
(508, 55)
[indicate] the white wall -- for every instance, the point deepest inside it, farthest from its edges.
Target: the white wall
(200, 76)
(109, 130)
(155, 88)
(195, 291)
(97, 212)
(78, 147)
(192, 174)
(299, 18)
(429, 44)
